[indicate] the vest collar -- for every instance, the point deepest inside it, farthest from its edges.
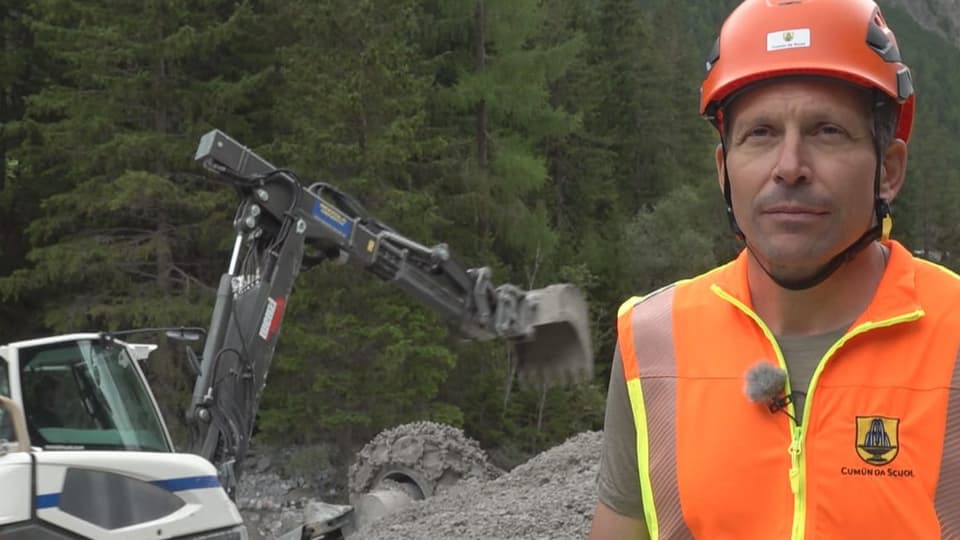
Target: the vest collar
(895, 296)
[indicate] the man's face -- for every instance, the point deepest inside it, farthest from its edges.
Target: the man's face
(801, 161)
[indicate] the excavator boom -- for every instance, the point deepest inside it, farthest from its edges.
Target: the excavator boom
(278, 219)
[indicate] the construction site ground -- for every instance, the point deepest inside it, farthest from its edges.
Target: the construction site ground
(551, 496)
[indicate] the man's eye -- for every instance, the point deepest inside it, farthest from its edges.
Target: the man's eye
(829, 129)
(759, 131)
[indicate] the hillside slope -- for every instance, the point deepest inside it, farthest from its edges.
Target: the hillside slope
(940, 16)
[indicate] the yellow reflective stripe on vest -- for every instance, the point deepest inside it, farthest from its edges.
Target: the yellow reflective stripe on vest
(947, 499)
(652, 387)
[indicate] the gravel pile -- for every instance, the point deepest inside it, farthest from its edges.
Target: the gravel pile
(552, 496)
(272, 500)
(270, 505)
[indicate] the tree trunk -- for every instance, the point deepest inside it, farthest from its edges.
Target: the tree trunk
(480, 28)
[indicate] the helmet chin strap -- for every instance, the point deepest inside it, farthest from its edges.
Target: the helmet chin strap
(879, 231)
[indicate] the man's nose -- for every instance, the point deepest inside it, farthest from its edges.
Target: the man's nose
(791, 166)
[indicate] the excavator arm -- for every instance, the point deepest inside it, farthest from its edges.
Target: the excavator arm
(280, 223)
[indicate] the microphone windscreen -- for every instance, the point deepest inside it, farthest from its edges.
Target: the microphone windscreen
(765, 382)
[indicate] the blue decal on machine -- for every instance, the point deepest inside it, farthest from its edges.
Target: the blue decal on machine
(187, 483)
(52, 500)
(332, 217)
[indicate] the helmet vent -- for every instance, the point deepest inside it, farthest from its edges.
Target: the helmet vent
(904, 84)
(878, 40)
(878, 20)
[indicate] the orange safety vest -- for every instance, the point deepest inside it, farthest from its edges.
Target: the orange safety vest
(877, 454)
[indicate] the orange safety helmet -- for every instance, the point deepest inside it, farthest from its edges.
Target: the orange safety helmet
(842, 39)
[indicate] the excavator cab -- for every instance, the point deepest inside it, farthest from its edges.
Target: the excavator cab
(91, 424)
(78, 419)
(83, 392)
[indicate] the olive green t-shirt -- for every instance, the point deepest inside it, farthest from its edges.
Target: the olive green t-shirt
(618, 482)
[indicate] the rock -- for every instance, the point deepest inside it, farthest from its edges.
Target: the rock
(551, 496)
(263, 464)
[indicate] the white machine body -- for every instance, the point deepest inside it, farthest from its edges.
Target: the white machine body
(100, 463)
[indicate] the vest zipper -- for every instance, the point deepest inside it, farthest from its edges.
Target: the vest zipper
(797, 481)
(798, 434)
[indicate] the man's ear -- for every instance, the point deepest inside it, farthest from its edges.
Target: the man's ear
(894, 170)
(718, 156)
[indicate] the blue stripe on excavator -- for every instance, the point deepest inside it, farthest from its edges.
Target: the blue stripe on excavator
(51, 500)
(189, 482)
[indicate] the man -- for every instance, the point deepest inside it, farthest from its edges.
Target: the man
(40, 402)
(810, 388)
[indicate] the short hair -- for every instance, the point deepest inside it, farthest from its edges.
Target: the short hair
(885, 116)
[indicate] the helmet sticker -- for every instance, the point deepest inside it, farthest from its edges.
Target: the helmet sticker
(788, 39)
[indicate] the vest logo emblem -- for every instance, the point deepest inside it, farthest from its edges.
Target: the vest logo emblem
(877, 439)
(788, 36)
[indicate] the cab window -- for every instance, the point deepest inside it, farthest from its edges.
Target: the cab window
(88, 394)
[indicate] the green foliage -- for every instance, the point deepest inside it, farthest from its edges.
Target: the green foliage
(494, 75)
(924, 212)
(308, 460)
(119, 241)
(681, 236)
(23, 68)
(355, 356)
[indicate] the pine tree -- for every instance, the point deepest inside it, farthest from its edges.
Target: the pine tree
(351, 113)
(129, 234)
(494, 105)
(131, 226)
(22, 71)
(499, 65)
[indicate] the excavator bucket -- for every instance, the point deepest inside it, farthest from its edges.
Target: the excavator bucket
(560, 350)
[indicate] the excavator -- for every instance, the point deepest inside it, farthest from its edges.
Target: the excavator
(85, 451)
